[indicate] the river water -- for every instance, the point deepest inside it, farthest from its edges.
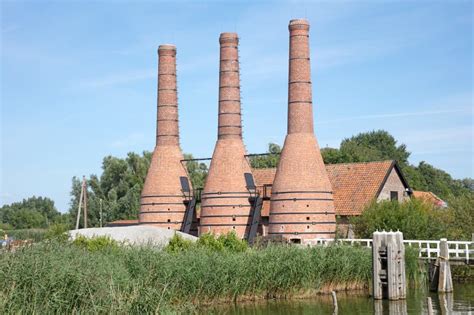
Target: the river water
(459, 302)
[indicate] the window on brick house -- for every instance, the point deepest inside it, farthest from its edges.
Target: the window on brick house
(394, 195)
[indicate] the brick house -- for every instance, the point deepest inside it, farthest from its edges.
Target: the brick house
(354, 186)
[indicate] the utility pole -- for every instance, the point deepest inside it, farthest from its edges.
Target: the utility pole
(82, 198)
(100, 211)
(84, 186)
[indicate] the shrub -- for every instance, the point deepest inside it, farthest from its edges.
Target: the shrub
(96, 243)
(58, 232)
(461, 210)
(415, 218)
(178, 244)
(232, 242)
(210, 242)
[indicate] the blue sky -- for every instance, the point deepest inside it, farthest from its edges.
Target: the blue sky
(78, 80)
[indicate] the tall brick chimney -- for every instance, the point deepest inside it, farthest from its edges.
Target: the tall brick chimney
(302, 204)
(162, 200)
(225, 202)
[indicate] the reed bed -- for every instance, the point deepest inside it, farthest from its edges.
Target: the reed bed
(57, 277)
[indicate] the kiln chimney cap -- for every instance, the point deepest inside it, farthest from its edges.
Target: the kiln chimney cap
(228, 37)
(298, 24)
(166, 47)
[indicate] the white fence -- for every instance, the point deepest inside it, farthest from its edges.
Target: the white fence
(458, 250)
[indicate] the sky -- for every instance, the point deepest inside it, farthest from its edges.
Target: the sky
(79, 80)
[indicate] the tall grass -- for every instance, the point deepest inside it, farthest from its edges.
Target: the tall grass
(63, 278)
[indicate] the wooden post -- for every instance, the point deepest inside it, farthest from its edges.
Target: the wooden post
(334, 302)
(79, 208)
(445, 283)
(392, 267)
(378, 307)
(388, 264)
(430, 305)
(377, 290)
(84, 186)
(100, 212)
(402, 280)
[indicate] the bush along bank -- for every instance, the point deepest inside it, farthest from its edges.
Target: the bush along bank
(64, 277)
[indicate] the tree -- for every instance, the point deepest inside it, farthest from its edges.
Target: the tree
(117, 190)
(197, 171)
(269, 160)
(34, 212)
(373, 146)
(415, 218)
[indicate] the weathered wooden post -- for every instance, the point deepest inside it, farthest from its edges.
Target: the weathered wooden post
(430, 306)
(388, 261)
(445, 283)
(334, 302)
(378, 266)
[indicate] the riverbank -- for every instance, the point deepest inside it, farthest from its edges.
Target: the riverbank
(58, 277)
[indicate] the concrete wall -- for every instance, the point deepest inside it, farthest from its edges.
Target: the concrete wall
(393, 183)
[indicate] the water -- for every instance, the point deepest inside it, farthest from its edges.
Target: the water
(459, 302)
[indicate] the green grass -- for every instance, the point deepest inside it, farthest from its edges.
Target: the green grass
(55, 277)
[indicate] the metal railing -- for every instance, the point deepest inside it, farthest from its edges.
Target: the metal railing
(428, 249)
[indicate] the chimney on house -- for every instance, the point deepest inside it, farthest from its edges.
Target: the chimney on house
(302, 205)
(225, 204)
(166, 189)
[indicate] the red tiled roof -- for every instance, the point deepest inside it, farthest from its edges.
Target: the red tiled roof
(430, 197)
(354, 184)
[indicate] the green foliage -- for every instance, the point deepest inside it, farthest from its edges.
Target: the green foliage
(380, 145)
(418, 219)
(414, 218)
(197, 172)
(229, 242)
(62, 278)
(426, 177)
(267, 161)
(116, 191)
(34, 212)
(232, 242)
(178, 244)
(57, 232)
(461, 211)
(95, 243)
(210, 242)
(374, 146)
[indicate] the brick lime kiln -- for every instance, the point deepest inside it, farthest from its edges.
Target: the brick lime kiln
(166, 191)
(302, 204)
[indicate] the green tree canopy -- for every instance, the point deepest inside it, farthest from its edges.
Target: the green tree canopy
(34, 212)
(267, 161)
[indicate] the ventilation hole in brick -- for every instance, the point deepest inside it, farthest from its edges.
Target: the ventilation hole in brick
(168, 227)
(307, 226)
(233, 227)
(233, 219)
(168, 209)
(169, 220)
(233, 207)
(307, 206)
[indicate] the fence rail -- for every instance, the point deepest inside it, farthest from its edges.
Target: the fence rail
(429, 249)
